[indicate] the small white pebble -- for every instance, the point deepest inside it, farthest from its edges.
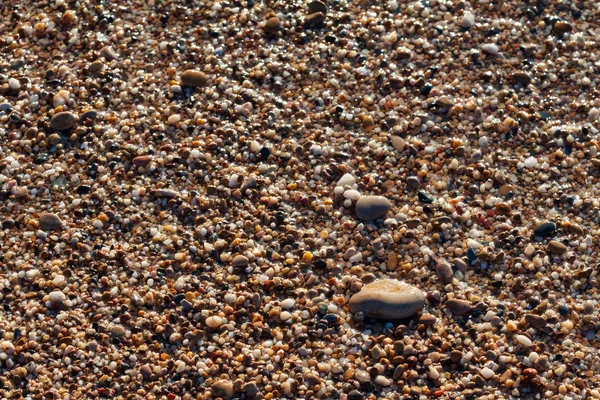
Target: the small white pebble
(214, 321)
(14, 84)
(173, 119)
(524, 340)
(487, 373)
(288, 303)
(530, 162)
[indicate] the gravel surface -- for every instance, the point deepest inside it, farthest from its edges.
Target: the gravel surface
(191, 192)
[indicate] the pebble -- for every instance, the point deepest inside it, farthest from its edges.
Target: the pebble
(524, 340)
(413, 182)
(535, 321)
(317, 6)
(545, 229)
(14, 84)
(142, 161)
(57, 296)
(251, 388)
(222, 388)
(50, 222)
(272, 25)
(194, 78)
(118, 331)
(444, 271)
(556, 247)
(63, 121)
(388, 299)
(487, 373)
(352, 194)
(398, 143)
(109, 53)
(60, 98)
(214, 322)
(372, 207)
(467, 20)
(240, 261)
(459, 307)
(146, 371)
(346, 180)
(530, 162)
(562, 27)
(521, 77)
(314, 20)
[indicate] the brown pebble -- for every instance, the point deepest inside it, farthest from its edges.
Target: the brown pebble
(222, 388)
(556, 247)
(314, 20)
(50, 222)
(272, 25)
(62, 121)
(459, 307)
(444, 271)
(535, 321)
(240, 261)
(142, 161)
(506, 190)
(521, 77)
(317, 6)
(503, 209)
(427, 319)
(194, 78)
(367, 124)
(398, 143)
(562, 27)
(574, 229)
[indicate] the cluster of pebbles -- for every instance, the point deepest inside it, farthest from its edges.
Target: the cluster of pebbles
(323, 199)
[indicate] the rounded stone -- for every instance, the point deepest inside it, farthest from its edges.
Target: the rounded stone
(545, 229)
(223, 389)
(556, 247)
(194, 78)
(317, 6)
(240, 261)
(272, 25)
(50, 222)
(459, 307)
(444, 271)
(372, 207)
(388, 299)
(62, 121)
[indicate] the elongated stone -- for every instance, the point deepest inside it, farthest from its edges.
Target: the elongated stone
(388, 299)
(372, 207)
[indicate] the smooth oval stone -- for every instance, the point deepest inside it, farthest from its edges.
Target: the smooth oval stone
(317, 6)
(49, 221)
(398, 143)
(556, 247)
(444, 271)
(388, 299)
(372, 207)
(272, 25)
(240, 261)
(142, 161)
(62, 121)
(459, 307)
(195, 78)
(545, 229)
